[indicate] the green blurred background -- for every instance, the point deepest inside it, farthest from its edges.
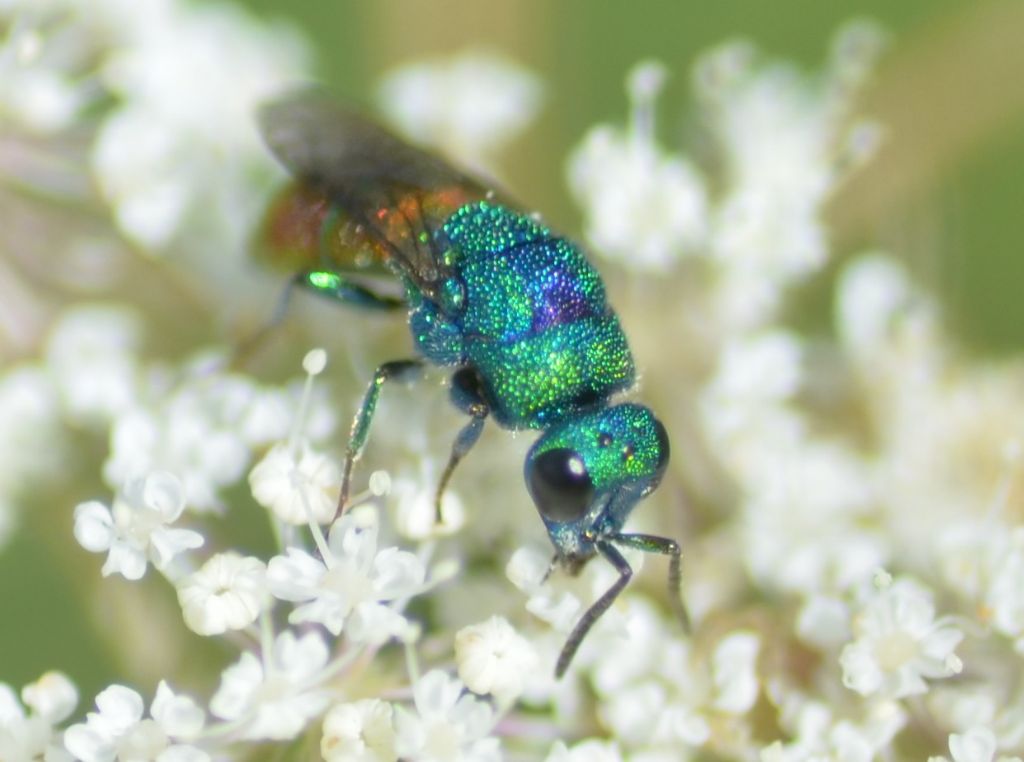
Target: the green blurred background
(943, 193)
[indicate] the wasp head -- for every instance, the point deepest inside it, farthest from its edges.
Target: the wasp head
(586, 474)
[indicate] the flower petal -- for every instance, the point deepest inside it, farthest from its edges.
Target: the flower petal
(94, 526)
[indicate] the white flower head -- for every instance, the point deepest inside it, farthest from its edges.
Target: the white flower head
(227, 593)
(276, 698)
(1005, 595)
(734, 672)
(824, 621)
(415, 511)
(971, 554)
(819, 735)
(353, 584)
(873, 290)
(657, 693)
(898, 643)
(558, 598)
(774, 127)
(90, 354)
(956, 706)
(803, 514)
(976, 744)
(206, 428)
(32, 734)
(493, 658)
(137, 530)
(785, 142)
(119, 730)
(470, 105)
(182, 140)
(40, 91)
(758, 369)
(362, 731)
(449, 724)
(588, 750)
(298, 484)
(202, 429)
(644, 207)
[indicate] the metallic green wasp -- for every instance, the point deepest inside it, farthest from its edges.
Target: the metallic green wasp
(514, 309)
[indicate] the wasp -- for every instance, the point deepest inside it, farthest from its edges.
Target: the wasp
(514, 309)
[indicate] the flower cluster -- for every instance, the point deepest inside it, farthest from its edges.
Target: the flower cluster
(344, 599)
(836, 459)
(852, 538)
(468, 107)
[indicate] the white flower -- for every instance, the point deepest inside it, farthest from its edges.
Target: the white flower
(298, 487)
(182, 140)
(119, 731)
(450, 725)
(819, 735)
(978, 744)
(756, 373)
(227, 593)
(824, 621)
(557, 598)
(644, 207)
(970, 554)
(32, 735)
(589, 750)
(493, 658)
(803, 499)
(203, 429)
(804, 516)
(469, 106)
(275, 698)
(1005, 596)
(415, 513)
(870, 295)
(778, 132)
(136, 530)
(734, 672)
(362, 731)
(782, 139)
(899, 643)
(90, 355)
(958, 707)
(39, 86)
(352, 584)
(656, 694)
(53, 696)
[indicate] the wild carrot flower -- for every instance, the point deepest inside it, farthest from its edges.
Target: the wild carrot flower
(804, 462)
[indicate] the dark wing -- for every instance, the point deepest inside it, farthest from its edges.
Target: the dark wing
(393, 197)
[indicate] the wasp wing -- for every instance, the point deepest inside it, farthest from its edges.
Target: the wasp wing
(392, 196)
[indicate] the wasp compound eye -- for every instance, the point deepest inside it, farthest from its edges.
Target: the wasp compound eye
(560, 485)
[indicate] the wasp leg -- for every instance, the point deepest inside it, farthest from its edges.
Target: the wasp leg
(652, 544)
(467, 394)
(325, 283)
(552, 565)
(340, 288)
(251, 343)
(467, 437)
(594, 613)
(401, 370)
